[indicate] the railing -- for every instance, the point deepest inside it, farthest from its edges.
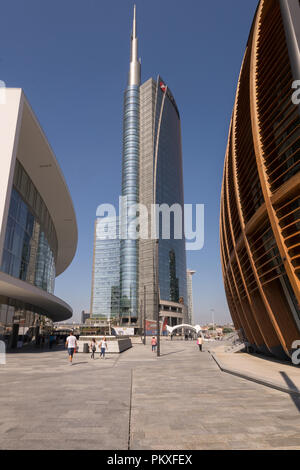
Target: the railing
(237, 341)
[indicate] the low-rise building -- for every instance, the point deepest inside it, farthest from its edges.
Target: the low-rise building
(38, 229)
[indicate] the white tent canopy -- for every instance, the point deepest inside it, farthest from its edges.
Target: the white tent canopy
(197, 328)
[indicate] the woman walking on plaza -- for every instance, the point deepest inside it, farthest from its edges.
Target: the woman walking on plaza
(103, 347)
(93, 347)
(153, 343)
(200, 342)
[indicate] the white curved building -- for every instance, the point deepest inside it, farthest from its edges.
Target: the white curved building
(38, 229)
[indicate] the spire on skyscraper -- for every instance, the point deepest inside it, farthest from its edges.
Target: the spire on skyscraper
(134, 22)
(135, 65)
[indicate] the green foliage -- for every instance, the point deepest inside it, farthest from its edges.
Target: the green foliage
(227, 330)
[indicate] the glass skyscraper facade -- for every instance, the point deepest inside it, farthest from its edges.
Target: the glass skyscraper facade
(151, 174)
(161, 183)
(189, 278)
(130, 190)
(105, 300)
(130, 185)
(169, 190)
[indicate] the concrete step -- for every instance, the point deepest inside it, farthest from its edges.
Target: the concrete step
(236, 348)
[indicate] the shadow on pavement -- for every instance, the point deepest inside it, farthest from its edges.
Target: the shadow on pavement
(273, 359)
(36, 350)
(291, 386)
(173, 352)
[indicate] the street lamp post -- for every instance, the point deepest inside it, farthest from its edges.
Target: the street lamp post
(213, 317)
(130, 306)
(141, 316)
(157, 300)
(144, 314)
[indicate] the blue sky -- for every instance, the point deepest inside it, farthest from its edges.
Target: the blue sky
(71, 58)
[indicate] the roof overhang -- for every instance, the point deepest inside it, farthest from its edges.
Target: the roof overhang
(38, 159)
(55, 308)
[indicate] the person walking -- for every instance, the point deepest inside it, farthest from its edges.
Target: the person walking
(103, 347)
(93, 347)
(153, 343)
(51, 341)
(200, 343)
(71, 344)
(37, 341)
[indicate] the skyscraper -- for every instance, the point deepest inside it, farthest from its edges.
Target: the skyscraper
(130, 183)
(105, 298)
(151, 174)
(190, 274)
(260, 200)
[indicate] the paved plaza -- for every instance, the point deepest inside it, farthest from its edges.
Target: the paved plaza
(277, 373)
(137, 401)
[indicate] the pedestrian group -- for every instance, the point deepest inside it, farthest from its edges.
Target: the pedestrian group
(72, 346)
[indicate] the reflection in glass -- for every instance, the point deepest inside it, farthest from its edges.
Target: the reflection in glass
(30, 241)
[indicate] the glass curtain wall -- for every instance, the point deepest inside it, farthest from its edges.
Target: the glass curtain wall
(106, 270)
(30, 247)
(130, 190)
(169, 190)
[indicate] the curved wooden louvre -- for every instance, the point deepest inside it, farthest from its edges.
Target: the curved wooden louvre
(260, 200)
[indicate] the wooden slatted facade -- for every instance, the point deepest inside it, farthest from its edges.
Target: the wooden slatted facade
(260, 197)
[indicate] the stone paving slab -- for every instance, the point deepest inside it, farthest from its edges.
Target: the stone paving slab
(212, 411)
(271, 371)
(178, 401)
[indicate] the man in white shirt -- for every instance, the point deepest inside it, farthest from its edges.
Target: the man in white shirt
(71, 344)
(103, 347)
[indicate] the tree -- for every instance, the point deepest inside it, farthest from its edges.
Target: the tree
(227, 330)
